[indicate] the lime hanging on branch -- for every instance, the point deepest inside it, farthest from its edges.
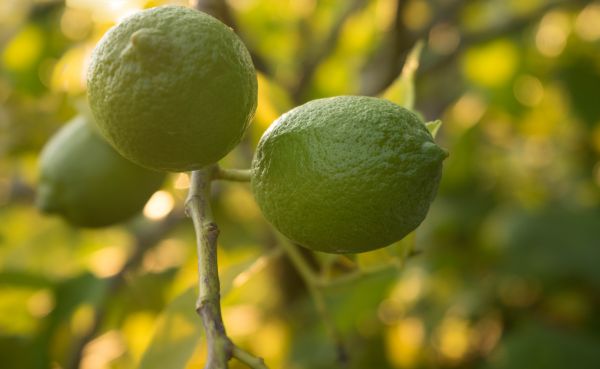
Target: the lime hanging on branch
(84, 180)
(172, 88)
(346, 174)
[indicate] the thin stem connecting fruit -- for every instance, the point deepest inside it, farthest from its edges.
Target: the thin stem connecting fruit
(208, 305)
(313, 282)
(235, 175)
(248, 359)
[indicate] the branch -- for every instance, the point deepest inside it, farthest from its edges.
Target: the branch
(313, 282)
(216, 8)
(311, 63)
(437, 106)
(144, 240)
(248, 359)
(512, 26)
(208, 305)
(381, 70)
(220, 10)
(18, 191)
(235, 175)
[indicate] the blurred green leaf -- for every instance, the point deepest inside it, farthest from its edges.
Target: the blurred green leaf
(177, 335)
(556, 244)
(537, 346)
(402, 90)
(582, 78)
(358, 300)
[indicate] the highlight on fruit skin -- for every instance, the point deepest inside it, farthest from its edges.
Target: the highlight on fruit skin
(172, 88)
(346, 174)
(86, 182)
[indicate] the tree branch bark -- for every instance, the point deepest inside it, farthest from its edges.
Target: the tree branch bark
(312, 62)
(220, 10)
(208, 305)
(144, 240)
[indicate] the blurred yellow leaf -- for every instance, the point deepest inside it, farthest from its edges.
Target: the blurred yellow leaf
(69, 72)
(135, 330)
(109, 10)
(453, 337)
(14, 315)
(335, 76)
(273, 101)
(266, 111)
(176, 336)
(491, 65)
(404, 342)
(24, 49)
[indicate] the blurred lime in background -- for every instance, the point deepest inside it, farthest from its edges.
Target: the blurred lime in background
(84, 180)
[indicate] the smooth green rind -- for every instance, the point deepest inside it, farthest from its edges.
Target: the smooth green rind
(172, 88)
(84, 180)
(346, 174)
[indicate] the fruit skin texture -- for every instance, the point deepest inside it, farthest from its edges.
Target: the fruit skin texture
(346, 174)
(84, 180)
(172, 88)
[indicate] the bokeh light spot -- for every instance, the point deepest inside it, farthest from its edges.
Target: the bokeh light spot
(528, 90)
(169, 253)
(69, 73)
(182, 182)
(491, 65)
(241, 320)
(76, 24)
(41, 303)
(444, 38)
(551, 36)
(23, 49)
(404, 341)
(468, 110)
(159, 205)
(453, 337)
(107, 261)
(101, 351)
(587, 23)
(82, 319)
(417, 14)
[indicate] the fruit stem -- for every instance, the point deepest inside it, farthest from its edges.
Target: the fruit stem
(248, 359)
(208, 304)
(313, 284)
(236, 175)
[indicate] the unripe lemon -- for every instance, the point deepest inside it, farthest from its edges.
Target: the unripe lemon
(172, 88)
(346, 174)
(84, 180)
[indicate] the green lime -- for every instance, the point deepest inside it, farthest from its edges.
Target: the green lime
(84, 180)
(346, 174)
(172, 88)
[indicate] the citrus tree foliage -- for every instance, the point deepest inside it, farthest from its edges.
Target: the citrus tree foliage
(502, 273)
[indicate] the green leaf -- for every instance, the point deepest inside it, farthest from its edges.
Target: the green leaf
(402, 90)
(394, 254)
(237, 274)
(350, 302)
(433, 127)
(533, 345)
(176, 336)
